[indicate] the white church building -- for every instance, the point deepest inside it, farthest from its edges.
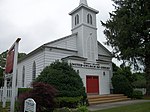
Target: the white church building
(81, 49)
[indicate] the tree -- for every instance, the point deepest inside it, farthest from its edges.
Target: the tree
(125, 71)
(115, 67)
(127, 31)
(44, 96)
(65, 79)
(140, 81)
(1, 77)
(3, 56)
(3, 59)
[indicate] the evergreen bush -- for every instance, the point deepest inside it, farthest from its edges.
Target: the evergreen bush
(65, 79)
(121, 85)
(137, 94)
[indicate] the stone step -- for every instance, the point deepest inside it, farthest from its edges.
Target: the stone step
(104, 96)
(107, 98)
(99, 99)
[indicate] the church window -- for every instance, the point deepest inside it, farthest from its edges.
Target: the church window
(90, 49)
(23, 76)
(76, 19)
(89, 19)
(104, 73)
(17, 77)
(34, 71)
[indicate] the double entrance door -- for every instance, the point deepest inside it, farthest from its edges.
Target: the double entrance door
(92, 84)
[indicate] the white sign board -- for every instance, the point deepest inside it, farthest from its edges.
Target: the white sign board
(29, 105)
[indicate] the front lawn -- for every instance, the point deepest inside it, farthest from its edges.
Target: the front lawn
(4, 109)
(140, 107)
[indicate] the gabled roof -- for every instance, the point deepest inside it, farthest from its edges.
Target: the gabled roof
(60, 39)
(31, 53)
(99, 44)
(46, 46)
(83, 6)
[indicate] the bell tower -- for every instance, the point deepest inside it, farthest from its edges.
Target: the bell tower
(84, 23)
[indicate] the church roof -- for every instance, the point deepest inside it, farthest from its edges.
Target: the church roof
(83, 5)
(104, 48)
(61, 39)
(46, 46)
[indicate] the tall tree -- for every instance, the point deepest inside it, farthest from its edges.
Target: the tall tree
(128, 32)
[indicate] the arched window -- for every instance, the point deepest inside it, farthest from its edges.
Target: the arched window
(89, 19)
(17, 77)
(34, 71)
(90, 49)
(23, 76)
(76, 19)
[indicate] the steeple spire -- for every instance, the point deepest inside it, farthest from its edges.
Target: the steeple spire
(83, 2)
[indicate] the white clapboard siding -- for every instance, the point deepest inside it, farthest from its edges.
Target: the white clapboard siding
(51, 56)
(67, 43)
(28, 64)
(42, 59)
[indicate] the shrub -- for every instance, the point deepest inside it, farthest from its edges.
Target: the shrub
(137, 94)
(43, 94)
(23, 90)
(122, 85)
(82, 109)
(65, 79)
(71, 102)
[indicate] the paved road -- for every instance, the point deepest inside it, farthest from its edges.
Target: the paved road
(115, 104)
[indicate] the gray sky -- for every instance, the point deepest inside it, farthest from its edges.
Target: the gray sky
(41, 21)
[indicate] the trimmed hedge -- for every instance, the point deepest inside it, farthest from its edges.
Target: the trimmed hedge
(71, 102)
(23, 90)
(137, 94)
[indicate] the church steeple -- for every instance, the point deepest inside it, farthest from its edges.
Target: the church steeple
(83, 2)
(84, 24)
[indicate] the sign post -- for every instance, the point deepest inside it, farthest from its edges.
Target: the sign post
(14, 75)
(11, 68)
(4, 92)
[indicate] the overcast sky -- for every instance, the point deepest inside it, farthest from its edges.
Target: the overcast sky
(41, 21)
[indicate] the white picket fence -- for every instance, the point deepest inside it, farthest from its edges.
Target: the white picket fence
(9, 94)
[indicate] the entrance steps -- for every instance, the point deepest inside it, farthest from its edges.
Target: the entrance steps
(99, 99)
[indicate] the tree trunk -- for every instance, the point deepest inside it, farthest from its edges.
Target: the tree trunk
(147, 71)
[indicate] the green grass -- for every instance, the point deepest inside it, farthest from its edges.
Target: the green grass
(4, 109)
(140, 107)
